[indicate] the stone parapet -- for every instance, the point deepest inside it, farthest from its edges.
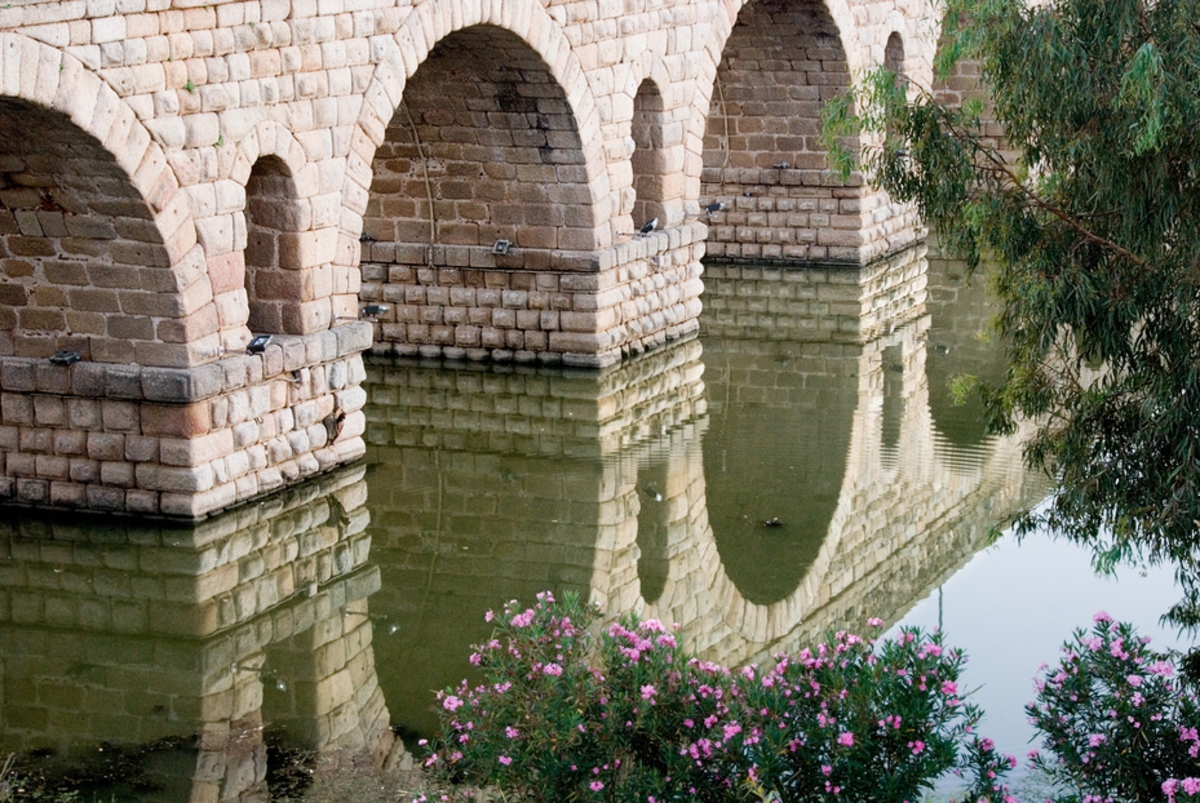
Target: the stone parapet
(181, 443)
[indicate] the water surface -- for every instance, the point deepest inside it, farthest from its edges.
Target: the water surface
(797, 468)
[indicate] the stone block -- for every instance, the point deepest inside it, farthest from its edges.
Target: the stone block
(123, 382)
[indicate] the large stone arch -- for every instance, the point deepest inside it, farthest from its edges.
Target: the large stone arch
(400, 56)
(519, 227)
(96, 193)
(769, 68)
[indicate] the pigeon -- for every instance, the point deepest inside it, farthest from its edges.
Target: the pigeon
(650, 226)
(715, 206)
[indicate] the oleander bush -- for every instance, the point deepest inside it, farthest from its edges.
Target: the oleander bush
(563, 715)
(1118, 721)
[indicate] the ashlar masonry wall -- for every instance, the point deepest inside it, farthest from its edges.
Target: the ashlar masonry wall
(178, 177)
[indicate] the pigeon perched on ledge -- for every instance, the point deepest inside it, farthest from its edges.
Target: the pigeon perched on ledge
(650, 226)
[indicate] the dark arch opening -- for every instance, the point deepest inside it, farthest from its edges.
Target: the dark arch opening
(82, 262)
(762, 155)
(893, 54)
(275, 284)
(483, 147)
(649, 167)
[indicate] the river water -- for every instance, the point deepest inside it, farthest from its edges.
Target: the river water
(798, 467)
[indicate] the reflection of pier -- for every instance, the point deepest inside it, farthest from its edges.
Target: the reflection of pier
(254, 620)
(650, 489)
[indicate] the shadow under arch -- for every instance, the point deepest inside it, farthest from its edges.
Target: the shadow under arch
(86, 262)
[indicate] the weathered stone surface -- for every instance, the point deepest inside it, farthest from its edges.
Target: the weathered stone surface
(444, 177)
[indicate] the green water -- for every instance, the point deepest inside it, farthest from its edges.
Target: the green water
(796, 468)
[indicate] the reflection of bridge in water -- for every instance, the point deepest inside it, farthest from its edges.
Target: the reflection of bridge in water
(202, 636)
(656, 486)
(796, 472)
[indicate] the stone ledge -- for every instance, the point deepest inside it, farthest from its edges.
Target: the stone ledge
(183, 385)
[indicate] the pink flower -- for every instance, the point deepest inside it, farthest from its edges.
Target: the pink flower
(845, 738)
(552, 669)
(1191, 785)
(949, 687)
(875, 621)
(917, 747)
(596, 786)
(505, 760)
(511, 732)
(1134, 680)
(1096, 739)
(1101, 616)
(451, 703)
(647, 692)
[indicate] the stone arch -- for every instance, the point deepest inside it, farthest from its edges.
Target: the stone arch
(496, 184)
(291, 234)
(429, 24)
(482, 148)
(771, 67)
(650, 158)
(893, 53)
(106, 260)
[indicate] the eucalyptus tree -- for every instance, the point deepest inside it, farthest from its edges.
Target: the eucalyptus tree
(1093, 229)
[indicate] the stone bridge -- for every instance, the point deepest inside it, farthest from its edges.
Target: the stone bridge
(179, 176)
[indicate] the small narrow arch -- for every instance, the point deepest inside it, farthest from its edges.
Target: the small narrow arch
(649, 156)
(893, 54)
(274, 216)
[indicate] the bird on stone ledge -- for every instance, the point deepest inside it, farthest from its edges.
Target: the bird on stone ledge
(650, 226)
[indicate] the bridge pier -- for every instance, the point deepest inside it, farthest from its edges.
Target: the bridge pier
(181, 442)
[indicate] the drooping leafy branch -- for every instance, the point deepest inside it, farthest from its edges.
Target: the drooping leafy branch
(1089, 210)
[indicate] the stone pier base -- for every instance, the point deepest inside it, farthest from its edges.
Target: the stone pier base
(176, 442)
(576, 308)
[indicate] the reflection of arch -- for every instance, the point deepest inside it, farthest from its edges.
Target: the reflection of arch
(960, 310)
(799, 482)
(436, 20)
(90, 193)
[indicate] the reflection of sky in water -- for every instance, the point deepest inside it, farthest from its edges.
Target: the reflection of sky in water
(1012, 606)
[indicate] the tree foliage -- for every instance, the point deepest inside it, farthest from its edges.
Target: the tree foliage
(1094, 230)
